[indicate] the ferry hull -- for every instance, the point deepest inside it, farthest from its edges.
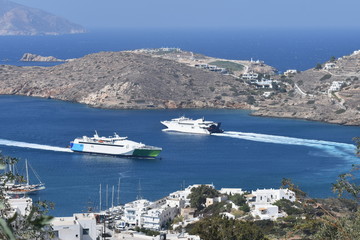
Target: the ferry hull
(175, 127)
(115, 150)
(146, 153)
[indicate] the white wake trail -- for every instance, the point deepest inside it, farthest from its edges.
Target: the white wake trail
(32, 145)
(343, 150)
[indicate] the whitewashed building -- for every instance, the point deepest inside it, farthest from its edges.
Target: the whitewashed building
(266, 212)
(269, 196)
(133, 211)
(336, 86)
(264, 83)
(329, 66)
(231, 191)
(156, 218)
(78, 227)
(211, 201)
(290, 72)
(183, 194)
(250, 76)
(21, 206)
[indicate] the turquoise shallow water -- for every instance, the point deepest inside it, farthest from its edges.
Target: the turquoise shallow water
(252, 153)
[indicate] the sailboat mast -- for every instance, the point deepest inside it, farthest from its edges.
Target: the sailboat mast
(112, 197)
(100, 198)
(139, 190)
(27, 172)
(107, 196)
(118, 195)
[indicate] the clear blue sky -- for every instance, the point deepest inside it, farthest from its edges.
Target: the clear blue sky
(205, 13)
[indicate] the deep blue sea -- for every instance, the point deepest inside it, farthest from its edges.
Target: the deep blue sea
(283, 49)
(254, 152)
(267, 150)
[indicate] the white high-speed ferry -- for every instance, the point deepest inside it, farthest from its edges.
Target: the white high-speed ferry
(188, 125)
(116, 145)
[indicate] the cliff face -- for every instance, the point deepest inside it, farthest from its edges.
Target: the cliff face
(126, 80)
(16, 19)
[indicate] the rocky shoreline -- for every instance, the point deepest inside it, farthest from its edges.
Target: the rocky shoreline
(172, 78)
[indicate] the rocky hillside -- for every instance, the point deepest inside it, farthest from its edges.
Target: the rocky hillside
(16, 19)
(154, 79)
(311, 94)
(29, 57)
(126, 80)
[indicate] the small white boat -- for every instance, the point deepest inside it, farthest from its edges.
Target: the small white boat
(188, 125)
(116, 145)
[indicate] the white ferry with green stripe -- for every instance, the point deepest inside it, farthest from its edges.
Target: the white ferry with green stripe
(116, 146)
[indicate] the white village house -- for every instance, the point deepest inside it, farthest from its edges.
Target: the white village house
(134, 210)
(21, 206)
(250, 76)
(329, 66)
(336, 86)
(261, 202)
(290, 72)
(156, 218)
(266, 212)
(269, 196)
(80, 226)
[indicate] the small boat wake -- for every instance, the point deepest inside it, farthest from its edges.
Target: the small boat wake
(341, 150)
(33, 146)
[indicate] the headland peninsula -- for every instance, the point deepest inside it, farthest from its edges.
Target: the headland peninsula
(173, 78)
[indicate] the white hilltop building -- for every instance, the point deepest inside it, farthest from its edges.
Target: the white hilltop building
(356, 52)
(262, 199)
(290, 72)
(266, 212)
(329, 66)
(250, 76)
(269, 196)
(263, 83)
(80, 226)
(336, 86)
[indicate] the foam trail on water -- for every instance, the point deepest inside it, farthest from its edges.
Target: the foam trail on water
(342, 150)
(32, 145)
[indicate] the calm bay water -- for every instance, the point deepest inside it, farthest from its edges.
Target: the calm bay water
(253, 152)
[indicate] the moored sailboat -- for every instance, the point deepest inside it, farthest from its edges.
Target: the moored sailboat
(15, 187)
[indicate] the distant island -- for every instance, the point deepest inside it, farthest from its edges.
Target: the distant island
(17, 19)
(173, 78)
(30, 57)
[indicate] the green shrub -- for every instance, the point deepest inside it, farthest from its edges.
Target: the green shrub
(311, 102)
(325, 77)
(340, 111)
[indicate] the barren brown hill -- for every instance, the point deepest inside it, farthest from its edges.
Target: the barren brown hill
(126, 80)
(157, 79)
